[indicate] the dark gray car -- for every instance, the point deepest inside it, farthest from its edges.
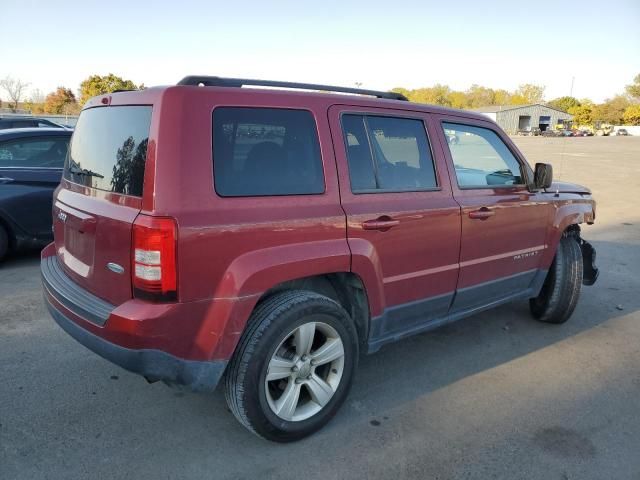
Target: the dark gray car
(31, 161)
(27, 122)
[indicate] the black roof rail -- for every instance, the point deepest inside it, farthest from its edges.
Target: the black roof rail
(208, 81)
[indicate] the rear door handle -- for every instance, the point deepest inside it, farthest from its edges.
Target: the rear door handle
(383, 224)
(481, 214)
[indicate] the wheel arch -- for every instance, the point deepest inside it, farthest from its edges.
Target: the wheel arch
(323, 267)
(346, 288)
(567, 219)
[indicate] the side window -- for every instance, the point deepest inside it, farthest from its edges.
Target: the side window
(266, 151)
(24, 124)
(34, 152)
(480, 157)
(387, 154)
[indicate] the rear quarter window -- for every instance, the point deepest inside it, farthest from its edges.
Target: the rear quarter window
(266, 151)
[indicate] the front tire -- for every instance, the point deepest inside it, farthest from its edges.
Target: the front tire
(561, 290)
(293, 367)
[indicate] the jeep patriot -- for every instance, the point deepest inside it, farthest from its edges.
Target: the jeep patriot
(210, 233)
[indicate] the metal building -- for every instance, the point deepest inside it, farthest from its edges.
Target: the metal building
(514, 118)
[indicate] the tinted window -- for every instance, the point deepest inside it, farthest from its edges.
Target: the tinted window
(480, 157)
(361, 166)
(266, 151)
(47, 152)
(46, 123)
(387, 154)
(109, 149)
(25, 124)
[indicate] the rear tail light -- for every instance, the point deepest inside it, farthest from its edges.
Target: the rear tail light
(154, 258)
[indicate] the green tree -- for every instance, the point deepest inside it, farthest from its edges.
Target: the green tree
(479, 96)
(35, 103)
(612, 110)
(631, 115)
(99, 85)
(61, 101)
(440, 95)
(528, 93)
(582, 114)
(564, 103)
(458, 99)
(634, 88)
(402, 90)
(436, 95)
(501, 97)
(475, 96)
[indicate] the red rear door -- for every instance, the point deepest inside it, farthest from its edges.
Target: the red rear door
(100, 197)
(401, 215)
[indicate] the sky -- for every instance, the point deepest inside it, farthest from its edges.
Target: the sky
(381, 45)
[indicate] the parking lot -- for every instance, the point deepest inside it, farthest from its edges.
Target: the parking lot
(493, 396)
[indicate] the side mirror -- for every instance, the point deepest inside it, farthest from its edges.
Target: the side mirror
(543, 175)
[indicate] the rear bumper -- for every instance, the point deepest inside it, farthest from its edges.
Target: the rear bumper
(129, 334)
(154, 365)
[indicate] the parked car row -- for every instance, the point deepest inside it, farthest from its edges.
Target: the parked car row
(566, 133)
(28, 122)
(531, 132)
(31, 161)
(579, 133)
(550, 132)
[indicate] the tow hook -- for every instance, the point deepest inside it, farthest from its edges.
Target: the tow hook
(590, 271)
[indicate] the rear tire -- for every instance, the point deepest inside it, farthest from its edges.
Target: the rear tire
(4, 242)
(298, 345)
(561, 289)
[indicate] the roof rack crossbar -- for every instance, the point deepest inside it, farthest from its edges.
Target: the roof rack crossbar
(208, 81)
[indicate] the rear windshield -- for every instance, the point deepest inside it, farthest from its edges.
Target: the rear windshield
(109, 149)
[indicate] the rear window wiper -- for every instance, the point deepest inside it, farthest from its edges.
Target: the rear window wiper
(84, 171)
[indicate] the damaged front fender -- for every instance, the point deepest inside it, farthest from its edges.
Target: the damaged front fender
(590, 272)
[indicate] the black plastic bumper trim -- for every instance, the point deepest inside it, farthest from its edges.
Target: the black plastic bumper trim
(590, 271)
(199, 376)
(71, 295)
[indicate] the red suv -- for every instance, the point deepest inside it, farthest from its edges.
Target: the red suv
(206, 231)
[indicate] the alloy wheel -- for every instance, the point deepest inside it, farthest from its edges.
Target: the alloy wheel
(304, 371)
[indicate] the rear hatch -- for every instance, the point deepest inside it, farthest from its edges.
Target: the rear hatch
(100, 197)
